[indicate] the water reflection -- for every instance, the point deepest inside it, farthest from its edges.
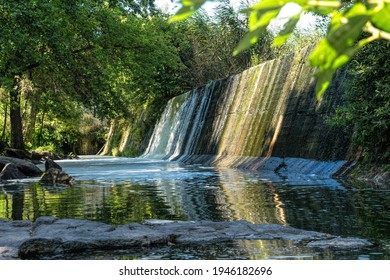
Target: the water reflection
(119, 191)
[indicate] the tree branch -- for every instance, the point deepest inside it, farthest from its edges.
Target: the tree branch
(37, 64)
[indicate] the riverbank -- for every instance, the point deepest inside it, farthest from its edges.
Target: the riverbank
(376, 173)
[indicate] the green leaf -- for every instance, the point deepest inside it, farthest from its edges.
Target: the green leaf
(323, 81)
(249, 39)
(259, 25)
(381, 19)
(288, 28)
(339, 46)
(189, 7)
(346, 28)
(267, 5)
(323, 7)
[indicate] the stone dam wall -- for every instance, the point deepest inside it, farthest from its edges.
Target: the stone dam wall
(266, 118)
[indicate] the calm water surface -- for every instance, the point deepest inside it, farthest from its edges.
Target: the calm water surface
(122, 190)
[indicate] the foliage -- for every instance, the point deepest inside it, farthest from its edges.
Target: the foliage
(207, 42)
(337, 48)
(106, 57)
(367, 108)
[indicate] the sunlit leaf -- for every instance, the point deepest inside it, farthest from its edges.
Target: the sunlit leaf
(267, 5)
(258, 28)
(323, 7)
(249, 39)
(323, 82)
(382, 18)
(323, 55)
(182, 13)
(189, 7)
(346, 28)
(287, 30)
(258, 19)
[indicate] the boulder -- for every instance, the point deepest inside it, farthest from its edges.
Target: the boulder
(27, 168)
(39, 156)
(49, 163)
(10, 171)
(16, 153)
(54, 176)
(13, 234)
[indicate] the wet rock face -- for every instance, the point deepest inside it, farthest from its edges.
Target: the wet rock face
(12, 235)
(10, 171)
(49, 236)
(54, 176)
(49, 163)
(24, 168)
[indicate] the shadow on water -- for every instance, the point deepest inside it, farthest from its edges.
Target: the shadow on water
(120, 191)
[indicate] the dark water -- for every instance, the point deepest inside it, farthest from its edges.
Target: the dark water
(119, 191)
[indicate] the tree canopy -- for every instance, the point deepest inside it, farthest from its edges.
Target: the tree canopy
(104, 55)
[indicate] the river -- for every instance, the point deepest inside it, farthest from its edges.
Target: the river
(123, 190)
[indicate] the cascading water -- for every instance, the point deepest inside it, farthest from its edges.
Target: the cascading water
(256, 120)
(179, 128)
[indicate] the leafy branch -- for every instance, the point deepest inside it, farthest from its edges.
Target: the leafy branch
(341, 41)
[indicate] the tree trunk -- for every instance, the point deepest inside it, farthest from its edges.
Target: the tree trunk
(17, 141)
(108, 146)
(30, 126)
(5, 121)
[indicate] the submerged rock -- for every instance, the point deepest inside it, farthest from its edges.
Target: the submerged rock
(49, 236)
(54, 176)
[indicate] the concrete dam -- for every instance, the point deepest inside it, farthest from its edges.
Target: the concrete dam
(265, 118)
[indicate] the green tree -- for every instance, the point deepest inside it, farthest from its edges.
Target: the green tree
(207, 42)
(105, 55)
(367, 104)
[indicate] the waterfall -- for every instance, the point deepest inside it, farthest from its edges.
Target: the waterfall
(256, 119)
(178, 130)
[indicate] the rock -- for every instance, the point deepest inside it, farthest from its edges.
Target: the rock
(54, 176)
(50, 237)
(13, 234)
(341, 243)
(39, 156)
(16, 153)
(10, 171)
(49, 163)
(24, 166)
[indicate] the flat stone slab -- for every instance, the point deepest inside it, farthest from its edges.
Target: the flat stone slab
(12, 235)
(49, 236)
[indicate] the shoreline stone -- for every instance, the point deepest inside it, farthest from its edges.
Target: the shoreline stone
(49, 236)
(54, 175)
(26, 168)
